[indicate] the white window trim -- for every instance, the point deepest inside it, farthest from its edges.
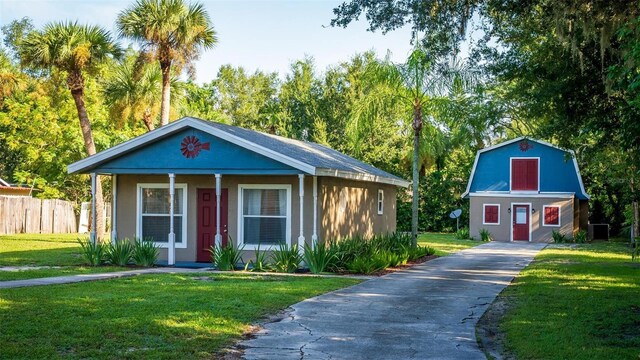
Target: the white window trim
(241, 187)
(524, 192)
(544, 211)
(380, 202)
(484, 212)
(164, 245)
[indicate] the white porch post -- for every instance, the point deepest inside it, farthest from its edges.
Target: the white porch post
(171, 251)
(301, 192)
(314, 236)
(218, 237)
(114, 208)
(94, 221)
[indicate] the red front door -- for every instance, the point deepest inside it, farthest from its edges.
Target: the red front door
(520, 222)
(207, 222)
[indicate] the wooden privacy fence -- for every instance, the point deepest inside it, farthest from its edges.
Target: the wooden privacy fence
(29, 215)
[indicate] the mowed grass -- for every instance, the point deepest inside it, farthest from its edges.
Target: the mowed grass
(40, 250)
(45, 250)
(148, 316)
(445, 243)
(576, 302)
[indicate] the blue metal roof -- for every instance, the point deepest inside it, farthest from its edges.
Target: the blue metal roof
(307, 157)
(558, 168)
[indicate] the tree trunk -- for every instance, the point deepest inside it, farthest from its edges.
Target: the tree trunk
(417, 128)
(85, 127)
(147, 120)
(165, 106)
(636, 219)
(635, 226)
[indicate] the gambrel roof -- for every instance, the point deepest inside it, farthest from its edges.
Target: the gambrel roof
(559, 172)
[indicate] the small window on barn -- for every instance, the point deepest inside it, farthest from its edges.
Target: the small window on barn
(153, 213)
(265, 215)
(380, 201)
(491, 214)
(551, 215)
(524, 174)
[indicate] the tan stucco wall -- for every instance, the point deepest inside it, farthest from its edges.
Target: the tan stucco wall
(360, 213)
(362, 207)
(502, 232)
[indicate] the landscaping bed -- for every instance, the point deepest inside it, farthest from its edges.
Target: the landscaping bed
(148, 316)
(577, 301)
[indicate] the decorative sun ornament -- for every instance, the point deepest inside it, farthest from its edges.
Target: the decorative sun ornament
(524, 146)
(191, 146)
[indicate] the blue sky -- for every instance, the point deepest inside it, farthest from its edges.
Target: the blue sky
(266, 35)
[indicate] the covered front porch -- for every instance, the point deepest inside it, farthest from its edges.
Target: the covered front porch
(186, 214)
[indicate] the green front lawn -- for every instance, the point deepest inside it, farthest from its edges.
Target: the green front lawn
(576, 302)
(45, 250)
(445, 243)
(40, 249)
(148, 316)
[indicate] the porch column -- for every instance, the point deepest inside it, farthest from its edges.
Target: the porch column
(301, 192)
(314, 236)
(218, 237)
(114, 208)
(94, 221)
(171, 251)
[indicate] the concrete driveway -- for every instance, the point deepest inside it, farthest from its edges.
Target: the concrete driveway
(428, 312)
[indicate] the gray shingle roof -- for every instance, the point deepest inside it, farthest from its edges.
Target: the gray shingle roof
(310, 153)
(308, 157)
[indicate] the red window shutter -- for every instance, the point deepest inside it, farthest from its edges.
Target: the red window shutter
(524, 174)
(491, 214)
(551, 215)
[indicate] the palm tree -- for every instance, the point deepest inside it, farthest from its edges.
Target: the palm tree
(172, 32)
(420, 86)
(77, 50)
(11, 79)
(130, 91)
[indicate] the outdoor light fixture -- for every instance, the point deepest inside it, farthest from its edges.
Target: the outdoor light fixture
(509, 210)
(533, 211)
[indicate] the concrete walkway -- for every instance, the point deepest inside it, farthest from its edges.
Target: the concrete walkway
(69, 279)
(428, 312)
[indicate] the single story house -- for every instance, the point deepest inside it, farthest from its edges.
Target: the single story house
(193, 183)
(523, 189)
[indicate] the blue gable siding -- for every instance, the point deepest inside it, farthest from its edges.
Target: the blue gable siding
(223, 157)
(557, 170)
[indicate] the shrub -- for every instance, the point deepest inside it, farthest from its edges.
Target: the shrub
(580, 237)
(367, 265)
(420, 251)
(286, 258)
(390, 259)
(558, 237)
(259, 264)
(119, 253)
(93, 253)
(145, 252)
(463, 234)
(485, 235)
(318, 257)
(344, 252)
(226, 258)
